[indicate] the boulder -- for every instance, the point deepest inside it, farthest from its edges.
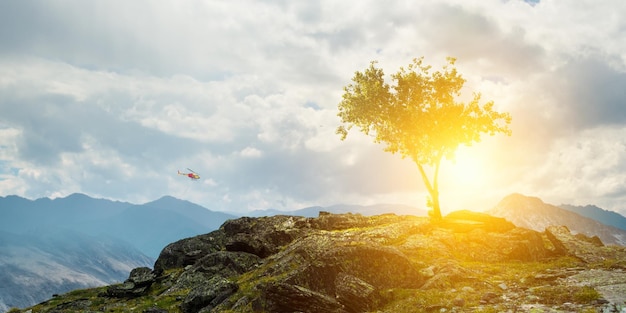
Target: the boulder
(524, 245)
(206, 296)
(137, 284)
(282, 297)
(226, 263)
(464, 220)
(481, 245)
(223, 263)
(315, 261)
(187, 251)
(355, 294)
(141, 276)
(262, 236)
(566, 243)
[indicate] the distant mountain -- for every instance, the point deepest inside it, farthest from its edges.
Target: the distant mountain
(50, 261)
(21, 215)
(532, 213)
(153, 225)
(603, 216)
(366, 210)
(149, 227)
(54, 245)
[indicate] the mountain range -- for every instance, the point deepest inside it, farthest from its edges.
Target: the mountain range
(603, 216)
(148, 227)
(533, 213)
(51, 246)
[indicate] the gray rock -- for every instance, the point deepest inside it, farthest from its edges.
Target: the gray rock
(137, 284)
(142, 276)
(355, 294)
(281, 297)
(205, 297)
(187, 251)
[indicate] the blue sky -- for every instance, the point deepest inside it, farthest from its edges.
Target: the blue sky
(111, 98)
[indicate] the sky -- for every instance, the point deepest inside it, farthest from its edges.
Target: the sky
(112, 98)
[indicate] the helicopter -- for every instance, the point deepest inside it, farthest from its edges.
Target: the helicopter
(192, 174)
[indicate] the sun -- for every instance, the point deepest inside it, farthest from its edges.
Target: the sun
(467, 170)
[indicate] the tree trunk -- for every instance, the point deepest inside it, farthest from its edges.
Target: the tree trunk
(436, 209)
(433, 190)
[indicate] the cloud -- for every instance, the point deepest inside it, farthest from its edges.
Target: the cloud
(112, 98)
(591, 92)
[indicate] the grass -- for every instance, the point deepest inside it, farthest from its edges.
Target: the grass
(561, 294)
(95, 302)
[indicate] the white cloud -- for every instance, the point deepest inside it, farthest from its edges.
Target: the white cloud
(251, 152)
(111, 98)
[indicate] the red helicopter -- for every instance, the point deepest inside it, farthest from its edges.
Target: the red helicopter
(193, 175)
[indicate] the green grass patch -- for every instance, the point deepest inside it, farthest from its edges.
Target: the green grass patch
(561, 294)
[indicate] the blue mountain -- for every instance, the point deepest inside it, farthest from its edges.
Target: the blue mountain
(603, 216)
(55, 245)
(148, 227)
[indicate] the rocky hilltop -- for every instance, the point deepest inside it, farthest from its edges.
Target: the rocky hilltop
(468, 262)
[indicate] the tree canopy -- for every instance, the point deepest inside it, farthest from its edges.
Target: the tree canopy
(418, 115)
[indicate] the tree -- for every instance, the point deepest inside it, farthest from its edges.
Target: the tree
(418, 116)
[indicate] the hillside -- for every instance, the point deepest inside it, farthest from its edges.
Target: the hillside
(50, 261)
(532, 213)
(468, 262)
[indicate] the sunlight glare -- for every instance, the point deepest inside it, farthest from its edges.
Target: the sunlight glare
(467, 171)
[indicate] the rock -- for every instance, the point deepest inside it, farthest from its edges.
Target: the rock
(464, 220)
(222, 263)
(320, 259)
(206, 296)
(226, 263)
(142, 276)
(445, 274)
(458, 302)
(187, 251)
(525, 245)
(261, 236)
(138, 282)
(428, 272)
(281, 297)
(595, 240)
(355, 294)
(588, 250)
(516, 244)
(125, 290)
(489, 297)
